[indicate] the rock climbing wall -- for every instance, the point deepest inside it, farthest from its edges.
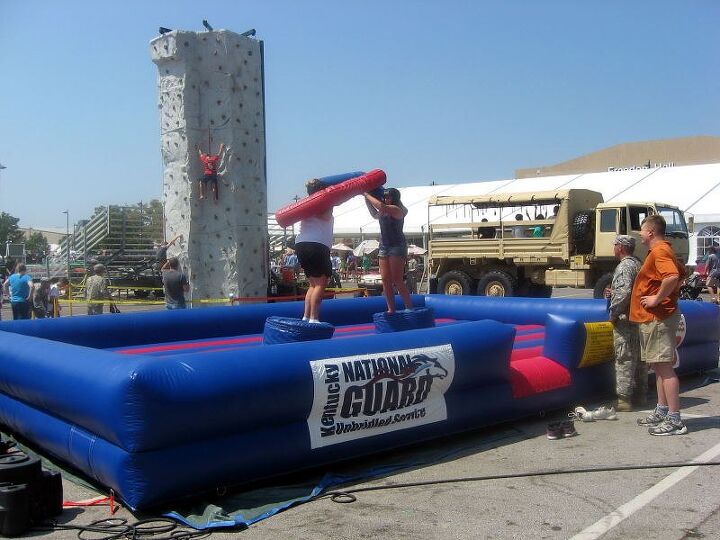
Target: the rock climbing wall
(211, 92)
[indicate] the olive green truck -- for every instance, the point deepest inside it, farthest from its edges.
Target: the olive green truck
(523, 244)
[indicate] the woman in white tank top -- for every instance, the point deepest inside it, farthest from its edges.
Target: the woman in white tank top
(313, 250)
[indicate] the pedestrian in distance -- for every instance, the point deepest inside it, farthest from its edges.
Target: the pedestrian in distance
(58, 287)
(41, 298)
(351, 263)
(336, 264)
(175, 284)
(19, 288)
(96, 290)
(713, 272)
(391, 212)
(654, 307)
(630, 373)
(412, 274)
(366, 263)
(313, 252)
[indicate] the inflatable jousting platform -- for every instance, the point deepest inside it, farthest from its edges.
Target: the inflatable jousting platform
(166, 405)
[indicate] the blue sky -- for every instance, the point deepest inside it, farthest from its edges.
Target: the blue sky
(444, 91)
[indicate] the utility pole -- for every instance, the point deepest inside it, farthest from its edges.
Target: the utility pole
(67, 251)
(1, 168)
(67, 240)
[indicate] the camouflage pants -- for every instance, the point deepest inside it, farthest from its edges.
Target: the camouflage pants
(630, 373)
(95, 309)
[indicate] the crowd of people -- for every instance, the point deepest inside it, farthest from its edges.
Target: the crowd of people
(40, 298)
(32, 298)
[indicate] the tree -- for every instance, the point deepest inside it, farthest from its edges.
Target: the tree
(36, 244)
(9, 229)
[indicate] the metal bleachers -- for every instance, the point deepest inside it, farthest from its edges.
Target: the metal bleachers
(117, 236)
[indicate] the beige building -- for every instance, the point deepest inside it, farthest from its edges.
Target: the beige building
(637, 155)
(53, 236)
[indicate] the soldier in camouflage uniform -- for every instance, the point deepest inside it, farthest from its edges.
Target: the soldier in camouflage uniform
(630, 373)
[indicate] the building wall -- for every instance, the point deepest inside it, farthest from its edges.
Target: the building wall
(211, 90)
(53, 237)
(646, 154)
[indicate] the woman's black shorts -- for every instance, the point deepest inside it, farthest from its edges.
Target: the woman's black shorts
(209, 178)
(314, 259)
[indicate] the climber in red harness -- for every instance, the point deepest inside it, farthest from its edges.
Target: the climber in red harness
(210, 167)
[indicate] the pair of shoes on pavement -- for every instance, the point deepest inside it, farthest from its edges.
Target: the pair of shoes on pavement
(601, 413)
(662, 425)
(561, 430)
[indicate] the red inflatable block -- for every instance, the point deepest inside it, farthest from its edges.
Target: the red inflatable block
(327, 198)
(530, 376)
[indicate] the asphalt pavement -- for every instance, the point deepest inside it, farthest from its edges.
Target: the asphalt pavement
(510, 481)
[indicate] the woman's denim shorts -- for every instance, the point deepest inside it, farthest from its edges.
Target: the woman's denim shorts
(393, 251)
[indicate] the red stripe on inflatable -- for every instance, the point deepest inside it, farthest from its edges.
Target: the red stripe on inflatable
(239, 341)
(358, 328)
(521, 327)
(531, 376)
(327, 198)
(529, 337)
(528, 352)
(193, 345)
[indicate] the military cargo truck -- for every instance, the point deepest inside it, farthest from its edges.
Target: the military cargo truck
(523, 244)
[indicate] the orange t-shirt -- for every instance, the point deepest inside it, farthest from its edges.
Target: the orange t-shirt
(660, 263)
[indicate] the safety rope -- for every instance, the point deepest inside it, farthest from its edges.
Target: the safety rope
(331, 292)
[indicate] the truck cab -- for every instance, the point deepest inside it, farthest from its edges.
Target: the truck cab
(613, 218)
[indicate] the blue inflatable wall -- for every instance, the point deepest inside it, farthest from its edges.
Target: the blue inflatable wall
(164, 405)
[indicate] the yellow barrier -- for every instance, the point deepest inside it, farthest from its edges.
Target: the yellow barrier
(231, 300)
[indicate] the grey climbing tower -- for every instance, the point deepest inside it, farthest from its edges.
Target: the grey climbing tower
(211, 92)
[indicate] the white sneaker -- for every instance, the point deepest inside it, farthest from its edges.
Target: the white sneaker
(582, 414)
(604, 413)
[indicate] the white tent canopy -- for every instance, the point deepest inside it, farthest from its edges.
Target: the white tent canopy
(695, 189)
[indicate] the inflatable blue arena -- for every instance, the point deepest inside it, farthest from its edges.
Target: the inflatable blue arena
(161, 406)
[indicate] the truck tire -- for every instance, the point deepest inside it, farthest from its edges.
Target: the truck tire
(583, 232)
(602, 283)
(496, 283)
(455, 282)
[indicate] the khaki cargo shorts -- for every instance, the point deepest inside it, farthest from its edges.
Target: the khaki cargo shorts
(658, 339)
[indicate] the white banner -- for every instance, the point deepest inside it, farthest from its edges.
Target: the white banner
(365, 395)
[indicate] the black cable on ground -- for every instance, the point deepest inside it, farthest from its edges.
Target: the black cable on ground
(118, 528)
(345, 497)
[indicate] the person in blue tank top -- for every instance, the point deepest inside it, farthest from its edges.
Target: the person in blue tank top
(393, 246)
(19, 288)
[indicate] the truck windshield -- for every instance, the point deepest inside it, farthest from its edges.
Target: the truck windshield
(674, 220)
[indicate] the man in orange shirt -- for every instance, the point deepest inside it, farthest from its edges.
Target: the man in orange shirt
(654, 306)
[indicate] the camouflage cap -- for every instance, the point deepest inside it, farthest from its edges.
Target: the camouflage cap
(625, 240)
